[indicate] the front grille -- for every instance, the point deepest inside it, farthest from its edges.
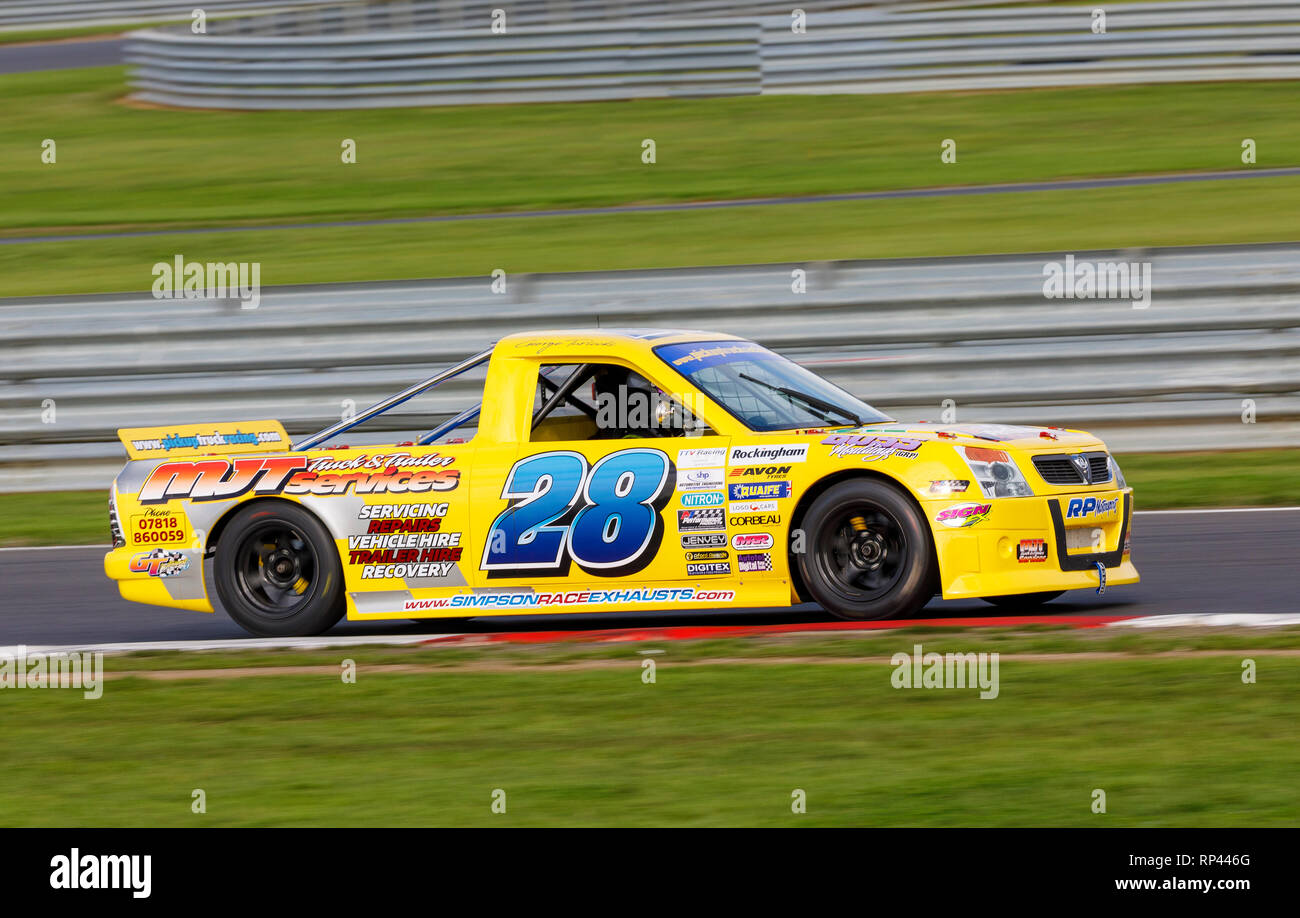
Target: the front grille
(1059, 468)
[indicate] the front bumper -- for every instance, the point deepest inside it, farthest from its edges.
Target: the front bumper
(1000, 554)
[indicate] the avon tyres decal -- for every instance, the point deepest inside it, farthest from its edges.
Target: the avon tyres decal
(604, 518)
(222, 479)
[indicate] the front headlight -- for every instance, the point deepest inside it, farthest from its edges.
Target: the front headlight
(1116, 473)
(997, 475)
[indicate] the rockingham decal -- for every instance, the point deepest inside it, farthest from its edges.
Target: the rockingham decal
(871, 447)
(963, 515)
(760, 455)
(752, 541)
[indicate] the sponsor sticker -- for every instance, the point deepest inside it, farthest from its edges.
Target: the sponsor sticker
(706, 556)
(765, 454)
(695, 520)
(705, 540)
(751, 563)
(709, 568)
(699, 479)
(753, 506)
(948, 486)
(160, 563)
(1030, 550)
(1080, 508)
(871, 447)
(751, 541)
(703, 499)
(760, 471)
(759, 490)
(963, 515)
(157, 526)
(759, 519)
(701, 458)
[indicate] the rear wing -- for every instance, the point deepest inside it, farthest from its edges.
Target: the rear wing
(204, 439)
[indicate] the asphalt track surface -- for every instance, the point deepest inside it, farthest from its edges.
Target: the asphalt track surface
(61, 55)
(1235, 561)
(1118, 181)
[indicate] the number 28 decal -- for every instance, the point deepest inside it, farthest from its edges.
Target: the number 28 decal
(605, 518)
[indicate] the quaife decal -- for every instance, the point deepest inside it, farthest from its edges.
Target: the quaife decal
(222, 479)
(765, 454)
(704, 540)
(963, 515)
(760, 471)
(871, 447)
(753, 541)
(604, 518)
(712, 518)
(699, 479)
(754, 562)
(160, 563)
(1084, 507)
(1031, 550)
(703, 499)
(759, 490)
(711, 568)
(706, 556)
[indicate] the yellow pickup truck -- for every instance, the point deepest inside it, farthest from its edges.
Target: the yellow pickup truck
(608, 471)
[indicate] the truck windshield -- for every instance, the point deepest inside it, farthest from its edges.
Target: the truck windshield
(762, 389)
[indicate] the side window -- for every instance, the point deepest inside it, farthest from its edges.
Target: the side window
(606, 401)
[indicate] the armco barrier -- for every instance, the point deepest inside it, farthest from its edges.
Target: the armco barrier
(362, 57)
(975, 336)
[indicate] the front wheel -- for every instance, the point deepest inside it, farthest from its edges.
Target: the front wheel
(869, 552)
(277, 571)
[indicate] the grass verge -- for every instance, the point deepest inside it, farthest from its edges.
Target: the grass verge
(1172, 741)
(1160, 480)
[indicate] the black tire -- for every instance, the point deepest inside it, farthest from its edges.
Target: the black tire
(1023, 600)
(869, 552)
(277, 571)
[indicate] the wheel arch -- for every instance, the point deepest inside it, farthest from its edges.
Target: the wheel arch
(814, 491)
(219, 526)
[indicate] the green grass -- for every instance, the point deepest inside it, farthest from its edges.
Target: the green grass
(1172, 742)
(121, 167)
(1246, 478)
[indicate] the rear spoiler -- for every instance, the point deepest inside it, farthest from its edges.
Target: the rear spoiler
(204, 439)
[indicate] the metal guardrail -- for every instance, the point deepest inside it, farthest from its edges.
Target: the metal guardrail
(403, 55)
(1223, 326)
(25, 15)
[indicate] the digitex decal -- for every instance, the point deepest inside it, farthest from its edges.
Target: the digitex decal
(703, 499)
(761, 455)
(1083, 507)
(708, 568)
(759, 490)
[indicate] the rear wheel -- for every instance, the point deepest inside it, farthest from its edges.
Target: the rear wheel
(869, 552)
(1023, 600)
(277, 571)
